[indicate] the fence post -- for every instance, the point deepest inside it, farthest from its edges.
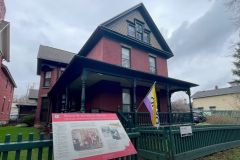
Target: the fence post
(29, 151)
(7, 140)
(19, 139)
(40, 150)
(171, 144)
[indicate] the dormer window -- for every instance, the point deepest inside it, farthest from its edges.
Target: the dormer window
(138, 31)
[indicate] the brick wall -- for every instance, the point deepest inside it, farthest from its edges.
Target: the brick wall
(6, 96)
(44, 90)
(109, 51)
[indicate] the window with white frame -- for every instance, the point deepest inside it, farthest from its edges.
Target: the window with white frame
(125, 57)
(152, 64)
(47, 79)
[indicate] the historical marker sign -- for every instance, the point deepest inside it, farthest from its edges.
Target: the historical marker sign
(89, 137)
(185, 131)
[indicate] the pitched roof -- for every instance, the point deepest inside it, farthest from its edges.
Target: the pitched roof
(217, 92)
(33, 94)
(8, 74)
(54, 54)
(103, 30)
(149, 21)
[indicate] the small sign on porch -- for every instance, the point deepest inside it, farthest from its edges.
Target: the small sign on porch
(89, 137)
(185, 131)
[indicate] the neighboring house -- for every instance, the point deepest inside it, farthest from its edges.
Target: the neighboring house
(50, 65)
(113, 71)
(218, 99)
(14, 111)
(29, 106)
(7, 83)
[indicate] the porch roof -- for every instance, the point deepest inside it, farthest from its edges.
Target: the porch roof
(79, 63)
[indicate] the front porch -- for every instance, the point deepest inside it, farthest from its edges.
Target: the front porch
(96, 87)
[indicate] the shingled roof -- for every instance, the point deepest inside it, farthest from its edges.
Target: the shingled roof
(8, 74)
(54, 54)
(46, 53)
(217, 92)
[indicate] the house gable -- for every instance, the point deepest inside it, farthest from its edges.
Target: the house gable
(138, 14)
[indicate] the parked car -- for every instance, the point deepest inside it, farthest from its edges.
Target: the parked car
(198, 117)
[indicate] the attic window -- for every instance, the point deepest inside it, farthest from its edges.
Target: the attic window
(131, 30)
(146, 37)
(138, 31)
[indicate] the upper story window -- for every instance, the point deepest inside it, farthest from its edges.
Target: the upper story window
(126, 57)
(146, 37)
(3, 103)
(47, 79)
(212, 108)
(131, 30)
(138, 31)
(152, 64)
(7, 83)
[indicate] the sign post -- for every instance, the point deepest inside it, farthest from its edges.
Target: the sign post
(89, 137)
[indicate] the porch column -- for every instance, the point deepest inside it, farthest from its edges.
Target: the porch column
(135, 101)
(169, 105)
(83, 81)
(190, 104)
(67, 100)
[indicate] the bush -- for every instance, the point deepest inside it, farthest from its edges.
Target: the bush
(29, 120)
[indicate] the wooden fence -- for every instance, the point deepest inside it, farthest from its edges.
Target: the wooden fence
(164, 143)
(167, 143)
(41, 149)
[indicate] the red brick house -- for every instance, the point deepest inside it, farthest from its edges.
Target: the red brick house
(7, 83)
(51, 62)
(115, 69)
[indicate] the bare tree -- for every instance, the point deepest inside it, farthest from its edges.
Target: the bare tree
(180, 105)
(234, 8)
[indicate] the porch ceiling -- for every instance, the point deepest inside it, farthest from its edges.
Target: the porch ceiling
(100, 70)
(94, 77)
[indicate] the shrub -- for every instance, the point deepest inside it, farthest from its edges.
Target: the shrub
(29, 120)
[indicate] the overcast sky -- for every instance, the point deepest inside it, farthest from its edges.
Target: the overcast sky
(200, 34)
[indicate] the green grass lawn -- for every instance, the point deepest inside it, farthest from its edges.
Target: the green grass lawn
(231, 154)
(14, 131)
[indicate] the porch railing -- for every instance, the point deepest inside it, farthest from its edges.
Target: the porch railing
(143, 118)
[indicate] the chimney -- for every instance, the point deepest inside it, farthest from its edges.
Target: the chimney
(2, 10)
(216, 87)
